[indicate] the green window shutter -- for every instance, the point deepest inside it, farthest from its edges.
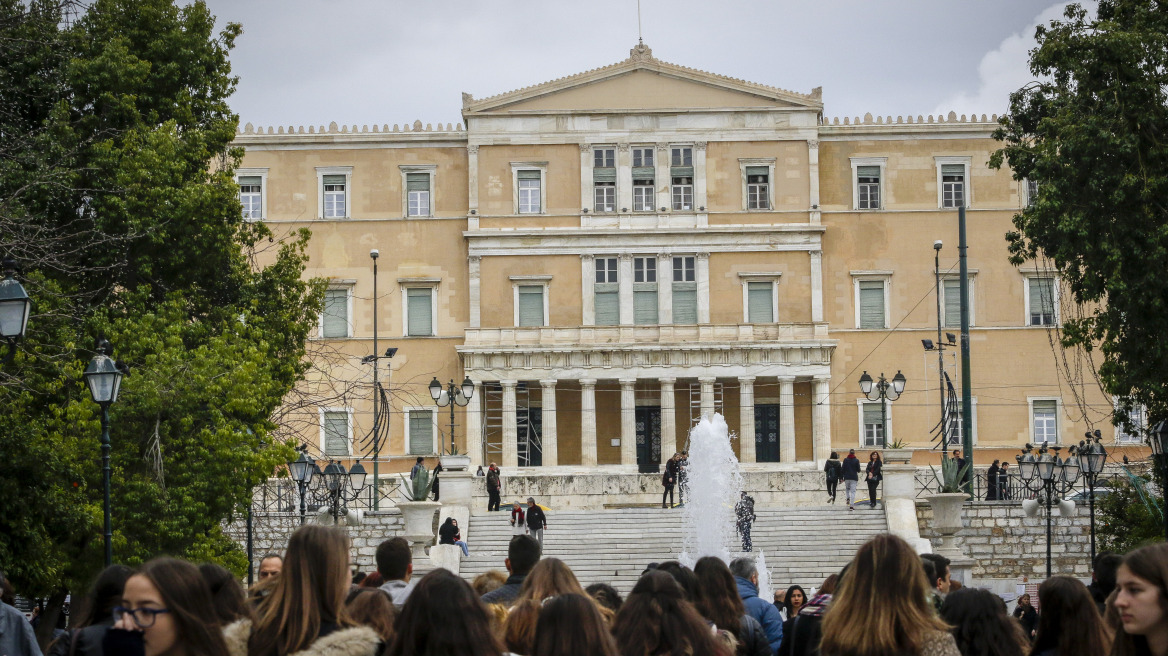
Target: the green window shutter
(759, 302)
(685, 303)
(953, 170)
(531, 305)
(419, 306)
(645, 306)
(758, 170)
(607, 304)
(952, 303)
(681, 171)
(868, 171)
(644, 172)
(250, 180)
(418, 182)
(872, 413)
(872, 304)
(334, 179)
(336, 313)
(421, 433)
(604, 175)
(336, 433)
(528, 175)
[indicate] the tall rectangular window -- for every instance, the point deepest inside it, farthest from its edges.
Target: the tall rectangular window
(685, 291)
(681, 156)
(335, 432)
(607, 292)
(1041, 300)
(335, 198)
(868, 187)
(604, 179)
(645, 290)
(418, 194)
(873, 425)
(531, 305)
(871, 304)
(758, 188)
(644, 180)
(643, 156)
(421, 427)
(1031, 192)
(760, 306)
(952, 302)
(419, 311)
(530, 183)
(682, 192)
(681, 173)
(251, 196)
(952, 185)
(1134, 435)
(335, 317)
(1045, 414)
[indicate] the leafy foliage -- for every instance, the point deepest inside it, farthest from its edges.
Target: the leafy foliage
(1091, 134)
(1125, 518)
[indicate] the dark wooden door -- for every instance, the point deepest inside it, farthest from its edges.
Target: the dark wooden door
(648, 438)
(766, 433)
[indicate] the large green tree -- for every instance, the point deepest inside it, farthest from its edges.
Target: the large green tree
(1092, 132)
(117, 195)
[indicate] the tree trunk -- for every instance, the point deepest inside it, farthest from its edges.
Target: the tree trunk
(48, 619)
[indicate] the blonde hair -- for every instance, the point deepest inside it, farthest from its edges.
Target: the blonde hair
(488, 581)
(881, 606)
(549, 577)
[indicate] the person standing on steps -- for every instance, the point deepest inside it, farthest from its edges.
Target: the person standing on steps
(873, 474)
(536, 521)
(992, 482)
(434, 487)
(418, 466)
(682, 465)
(669, 479)
(851, 470)
(493, 487)
(517, 521)
(744, 514)
(833, 470)
(1004, 481)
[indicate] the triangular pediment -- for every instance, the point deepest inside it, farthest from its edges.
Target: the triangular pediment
(643, 83)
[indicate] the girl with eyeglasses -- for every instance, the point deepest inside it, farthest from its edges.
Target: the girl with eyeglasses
(166, 610)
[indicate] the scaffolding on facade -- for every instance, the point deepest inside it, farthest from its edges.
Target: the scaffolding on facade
(528, 424)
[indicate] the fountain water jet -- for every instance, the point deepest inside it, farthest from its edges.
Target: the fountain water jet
(713, 484)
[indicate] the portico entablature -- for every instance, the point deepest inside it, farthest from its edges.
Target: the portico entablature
(573, 241)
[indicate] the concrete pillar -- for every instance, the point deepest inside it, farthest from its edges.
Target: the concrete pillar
(668, 418)
(699, 179)
(624, 178)
(628, 421)
(746, 452)
(474, 426)
(664, 288)
(510, 429)
(588, 422)
(813, 179)
(475, 289)
(702, 273)
(821, 419)
(817, 286)
(586, 188)
(587, 291)
(661, 178)
(551, 446)
(472, 192)
(624, 284)
(707, 396)
(787, 419)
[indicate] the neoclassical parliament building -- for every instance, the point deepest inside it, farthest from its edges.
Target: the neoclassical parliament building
(612, 255)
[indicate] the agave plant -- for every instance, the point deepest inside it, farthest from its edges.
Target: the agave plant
(950, 478)
(419, 488)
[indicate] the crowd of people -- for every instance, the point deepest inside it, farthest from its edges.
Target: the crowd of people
(886, 601)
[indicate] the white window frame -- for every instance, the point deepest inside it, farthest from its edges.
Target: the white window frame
(409, 412)
(647, 261)
(693, 178)
(430, 170)
(967, 190)
(1026, 278)
(530, 281)
(1058, 423)
(743, 163)
(1121, 435)
(1027, 197)
(888, 439)
(322, 171)
(347, 287)
(771, 277)
(516, 167)
(673, 283)
(263, 176)
(972, 304)
(973, 404)
(652, 204)
(857, 162)
(652, 155)
(617, 270)
(870, 276)
(419, 283)
(348, 425)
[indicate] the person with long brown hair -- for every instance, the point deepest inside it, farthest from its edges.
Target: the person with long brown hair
(881, 607)
(1069, 624)
(571, 625)
(981, 626)
(1141, 598)
(551, 577)
(371, 607)
(95, 615)
(226, 593)
(519, 628)
(304, 612)
(166, 610)
(656, 620)
(444, 616)
(718, 601)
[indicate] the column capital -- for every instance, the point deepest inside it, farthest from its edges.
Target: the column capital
(707, 379)
(747, 379)
(587, 382)
(813, 144)
(702, 256)
(701, 145)
(473, 149)
(627, 382)
(587, 257)
(508, 383)
(666, 380)
(786, 379)
(626, 257)
(822, 379)
(549, 383)
(474, 260)
(623, 147)
(816, 252)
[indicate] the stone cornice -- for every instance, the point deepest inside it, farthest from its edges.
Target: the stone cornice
(714, 239)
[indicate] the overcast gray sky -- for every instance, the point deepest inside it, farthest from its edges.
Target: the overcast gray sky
(361, 62)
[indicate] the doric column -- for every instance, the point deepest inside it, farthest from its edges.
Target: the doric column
(668, 418)
(746, 452)
(588, 422)
(813, 178)
(551, 445)
(628, 421)
(787, 419)
(707, 396)
(664, 288)
(474, 426)
(587, 298)
(703, 275)
(475, 284)
(817, 285)
(821, 418)
(625, 287)
(510, 429)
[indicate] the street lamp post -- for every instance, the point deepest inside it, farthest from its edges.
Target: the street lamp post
(14, 308)
(104, 378)
(451, 395)
(1092, 457)
(880, 390)
(1159, 443)
(336, 480)
(302, 470)
(1051, 476)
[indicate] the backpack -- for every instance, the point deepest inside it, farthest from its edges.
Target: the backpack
(833, 471)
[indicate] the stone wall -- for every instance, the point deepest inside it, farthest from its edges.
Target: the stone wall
(1006, 544)
(270, 532)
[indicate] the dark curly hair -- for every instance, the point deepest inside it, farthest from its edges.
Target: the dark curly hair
(980, 623)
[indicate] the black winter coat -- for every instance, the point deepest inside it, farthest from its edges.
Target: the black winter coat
(752, 639)
(876, 468)
(851, 468)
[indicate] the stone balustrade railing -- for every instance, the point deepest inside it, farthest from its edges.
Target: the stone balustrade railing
(638, 335)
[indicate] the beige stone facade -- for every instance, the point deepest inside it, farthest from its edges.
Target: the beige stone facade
(611, 255)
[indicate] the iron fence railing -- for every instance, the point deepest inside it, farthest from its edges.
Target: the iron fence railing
(282, 496)
(1009, 487)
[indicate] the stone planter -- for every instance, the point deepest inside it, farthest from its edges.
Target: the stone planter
(947, 514)
(455, 463)
(418, 524)
(902, 456)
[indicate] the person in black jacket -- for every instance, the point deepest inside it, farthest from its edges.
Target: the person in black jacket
(873, 474)
(96, 616)
(992, 482)
(536, 521)
(449, 533)
(851, 468)
(833, 470)
(494, 485)
(669, 479)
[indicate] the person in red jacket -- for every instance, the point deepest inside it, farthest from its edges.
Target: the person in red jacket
(517, 516)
